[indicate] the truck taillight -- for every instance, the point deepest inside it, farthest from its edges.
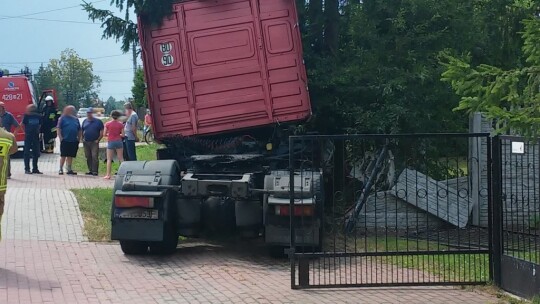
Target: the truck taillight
(133, 201)
(298, 210)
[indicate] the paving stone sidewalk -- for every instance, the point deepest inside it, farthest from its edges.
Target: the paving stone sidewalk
(44, 258)
(48, 164)
(57, 272)
(42, 214)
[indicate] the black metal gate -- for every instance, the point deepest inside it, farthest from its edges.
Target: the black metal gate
(516, 189)
(393, 210)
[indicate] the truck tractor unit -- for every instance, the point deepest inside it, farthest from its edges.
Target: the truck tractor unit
(226, 85)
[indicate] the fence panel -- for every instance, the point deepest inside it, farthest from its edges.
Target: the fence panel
(517, 214)
(394, 210)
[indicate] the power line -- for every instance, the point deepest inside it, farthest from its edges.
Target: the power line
(52, 20)
(107, 56)
(115, 94)
(45, 61)
(114, 72)
(48, 11)
(111, 71)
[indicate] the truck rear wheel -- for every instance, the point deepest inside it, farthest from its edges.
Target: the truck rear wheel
(134, 247)
(277, 252)
(167, 246)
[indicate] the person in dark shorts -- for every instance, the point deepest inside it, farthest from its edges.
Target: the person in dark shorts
(69, 133)
(32, 125)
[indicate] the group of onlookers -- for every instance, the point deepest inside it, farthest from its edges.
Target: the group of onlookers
(42, 127)
(91, 132)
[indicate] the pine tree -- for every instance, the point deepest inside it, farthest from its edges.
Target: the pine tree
(511, 97)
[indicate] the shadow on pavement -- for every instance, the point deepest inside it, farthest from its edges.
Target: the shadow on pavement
(221, 251)
(11, 279)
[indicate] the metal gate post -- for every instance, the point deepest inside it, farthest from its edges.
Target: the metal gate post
(291, 213)
(303, 272)
(495, 211)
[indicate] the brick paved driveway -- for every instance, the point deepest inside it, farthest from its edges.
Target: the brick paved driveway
(57, 272)
(48, 163)
(44, 259)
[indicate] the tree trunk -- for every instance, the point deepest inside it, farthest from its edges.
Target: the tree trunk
(315, 24)
(331, 33)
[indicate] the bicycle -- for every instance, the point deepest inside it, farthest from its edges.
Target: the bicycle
(149, 136)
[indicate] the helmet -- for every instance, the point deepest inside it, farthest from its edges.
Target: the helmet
(49, 98)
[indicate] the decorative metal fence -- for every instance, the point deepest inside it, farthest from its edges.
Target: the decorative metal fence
(393, 210)
(516, 217)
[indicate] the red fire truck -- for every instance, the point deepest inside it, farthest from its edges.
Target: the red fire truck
(17, 91)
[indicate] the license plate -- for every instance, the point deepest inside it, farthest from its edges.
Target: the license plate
(149, 214)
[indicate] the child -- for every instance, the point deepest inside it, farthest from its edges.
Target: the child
(32, 124)
(114, 130)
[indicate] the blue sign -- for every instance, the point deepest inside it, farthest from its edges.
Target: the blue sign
(11, 84)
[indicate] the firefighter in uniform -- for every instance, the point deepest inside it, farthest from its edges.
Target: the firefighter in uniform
(8, 146)
(48, 127)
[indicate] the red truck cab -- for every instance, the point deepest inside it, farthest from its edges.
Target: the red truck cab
(17, 92)
(218, 66)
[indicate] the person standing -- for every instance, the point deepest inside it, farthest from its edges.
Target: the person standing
(8, 146)
(92, 129)
(50, 121)
(32, 126)
(8, 122)
(130, 130)
(114, 130)
(69, 133)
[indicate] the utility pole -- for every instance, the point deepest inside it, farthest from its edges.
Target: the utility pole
(134, 59)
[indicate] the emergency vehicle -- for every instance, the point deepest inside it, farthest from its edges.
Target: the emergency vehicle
(17, 91)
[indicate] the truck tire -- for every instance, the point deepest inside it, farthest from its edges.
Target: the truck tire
(134, 247)
(277, 252)
(167, 246)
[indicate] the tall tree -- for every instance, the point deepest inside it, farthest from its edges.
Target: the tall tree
(331, 32)
(511, 97)
(72, 77)
(44, 79)
(111, 104)
(373, 65)
(314, 33)
(139, 89)
(122, 28)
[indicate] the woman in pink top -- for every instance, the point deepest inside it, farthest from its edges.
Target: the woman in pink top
(114, 131)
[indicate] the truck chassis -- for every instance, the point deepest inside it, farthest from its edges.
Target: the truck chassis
(155, 202)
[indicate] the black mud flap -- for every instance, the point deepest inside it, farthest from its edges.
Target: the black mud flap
(138, 230)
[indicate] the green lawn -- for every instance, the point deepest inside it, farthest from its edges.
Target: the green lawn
(462, 267)
(95, 205)
(144, 152)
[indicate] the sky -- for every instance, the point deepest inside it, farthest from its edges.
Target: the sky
(25, 40)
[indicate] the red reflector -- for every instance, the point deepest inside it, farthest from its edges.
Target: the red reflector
(298, 210)
(133, 201)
